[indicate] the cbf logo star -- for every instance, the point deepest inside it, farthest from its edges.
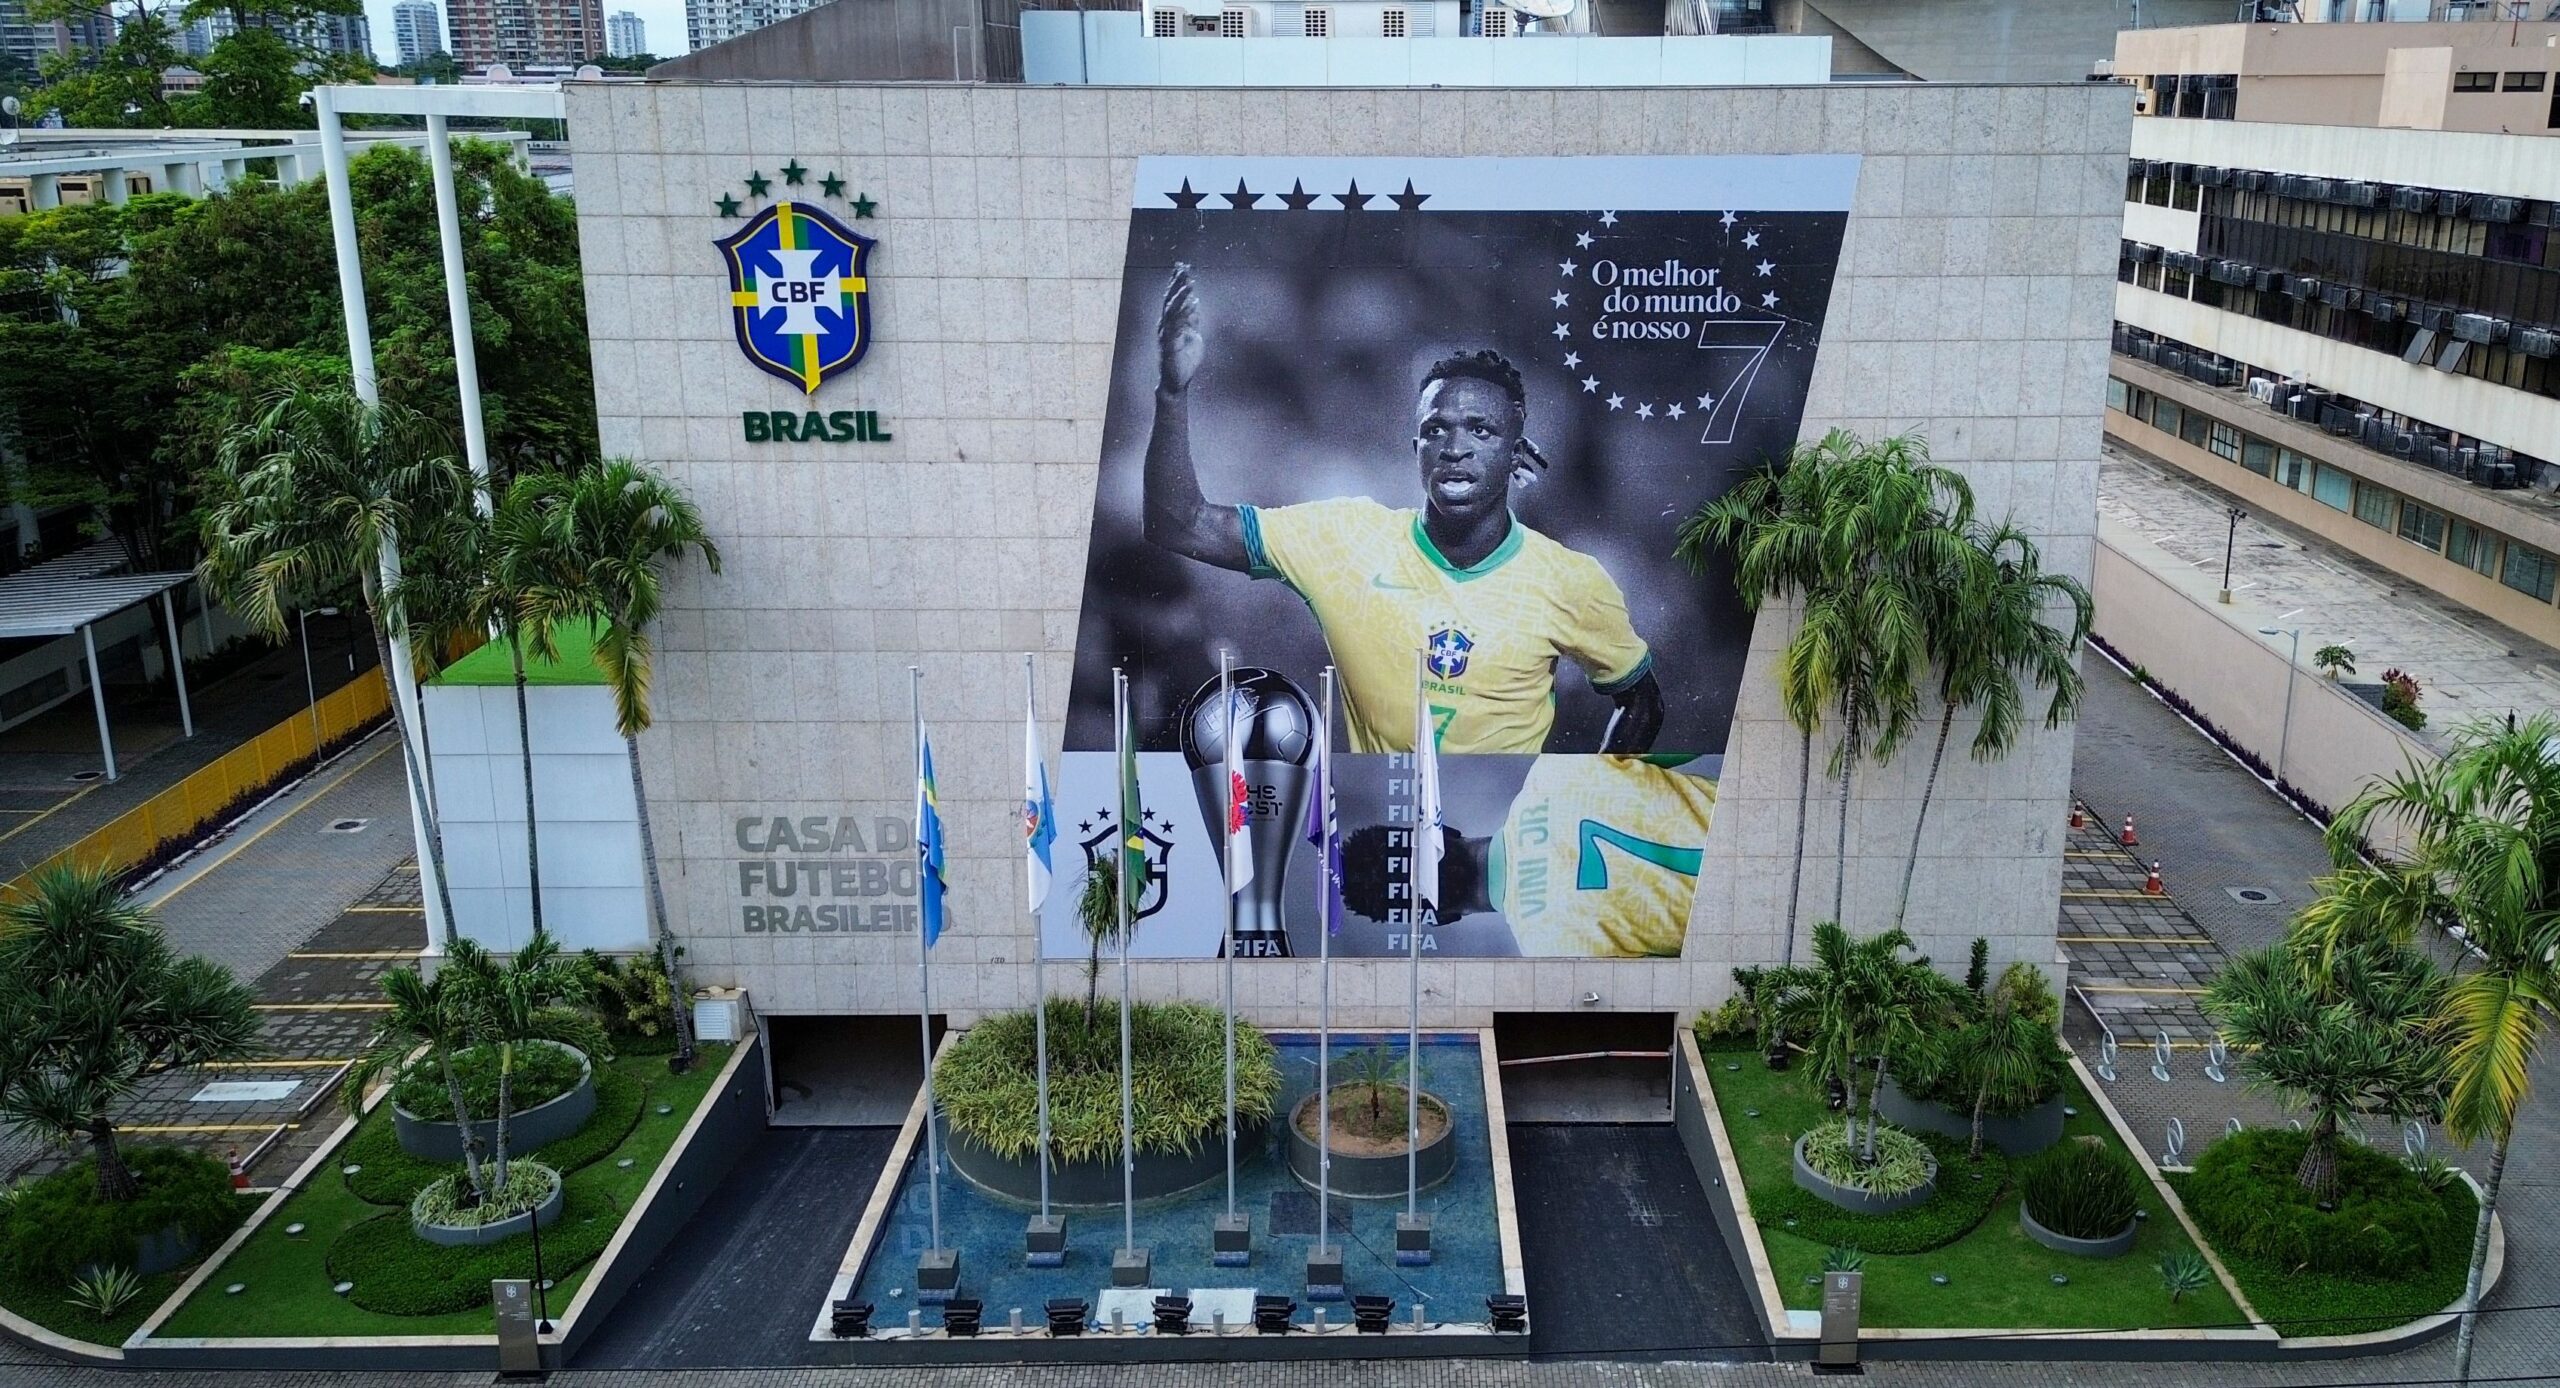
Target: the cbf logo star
(799, 293)
(1449, 649)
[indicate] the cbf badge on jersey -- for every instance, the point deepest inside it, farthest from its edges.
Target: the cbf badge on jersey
(799, 293)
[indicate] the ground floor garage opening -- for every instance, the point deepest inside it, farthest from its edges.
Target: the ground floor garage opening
(1624, 1257)
(844, 1072)
(1585, 1067)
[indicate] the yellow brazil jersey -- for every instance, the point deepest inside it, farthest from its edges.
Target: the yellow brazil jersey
(1599, 856)
(1494, 631)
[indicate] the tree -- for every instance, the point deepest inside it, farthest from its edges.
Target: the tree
(619, 522)
(95, 1003)
(2482, 842)
(2334, 660)
(2000, 1054)
(426, 1019)
(315, 496)
(1098, 911)
(1988, 631)
(532, 997)
(1857, 1001)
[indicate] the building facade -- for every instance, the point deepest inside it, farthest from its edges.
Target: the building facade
(30, 41)
(418, 28)
(2353, 327)
(707, 22)
(964, 489)
(521, 33)
(626, 35)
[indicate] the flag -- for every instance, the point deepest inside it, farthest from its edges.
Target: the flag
(1239, 811)
(929, 883)
(1133, 841)
(1324, 831)
(1039, 815)
(1426, 816)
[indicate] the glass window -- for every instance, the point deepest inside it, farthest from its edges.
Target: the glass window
(2529, 571)
(2333, 488)
(2258, 456)
(2522, 82)
(2119, 395)
(2375, 506)
(2165, 416)
(2224, 442)
(2293, 470)
(2420, 526)
(2472, 547)
(2194, 430)
(2475, 81)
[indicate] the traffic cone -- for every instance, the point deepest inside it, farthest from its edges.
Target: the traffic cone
(239, 1171)
(2079, 815)
(2151, 885)
(2127, 838)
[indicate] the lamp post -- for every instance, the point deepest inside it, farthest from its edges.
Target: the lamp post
(2230, 542)
(2292, 662)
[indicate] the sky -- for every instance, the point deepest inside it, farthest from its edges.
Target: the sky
(664, 17)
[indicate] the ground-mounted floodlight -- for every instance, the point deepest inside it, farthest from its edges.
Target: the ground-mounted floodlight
(1370, 1314)
(1172, 1315)
(961, 1316)
(849, 1319)
(1066, 1316)
(1507, 1313)
(1271, 1314)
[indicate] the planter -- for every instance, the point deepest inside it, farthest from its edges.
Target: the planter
(544, 1123)
(2019, 1135)
(2113, 1246)
(1016, 1180)
(157, 1253)
(1374, 1177)
(455, 1235)
(1857, 1201)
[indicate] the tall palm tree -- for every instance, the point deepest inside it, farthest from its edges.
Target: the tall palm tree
(315, 494)
(425, 1019)
(617, 522)
(534, 996)
(1989, 630)
(2482, 838)
(1858, 1000)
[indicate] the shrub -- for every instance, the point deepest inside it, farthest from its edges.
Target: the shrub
(1901, 1165)
(543, 1073)
(386, 1175)
(105, 1291)
(2383, 1225)
(529, 1183)
(1841, 1257)
(2183, 1271)
(2400, 698)
(634, 1000)
(2081, 1190)
(57, 1226)
(985, 1081)
(399, 1274)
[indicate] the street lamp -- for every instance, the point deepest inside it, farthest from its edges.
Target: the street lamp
(311, 687)
(2230, 542)
(2292, 662)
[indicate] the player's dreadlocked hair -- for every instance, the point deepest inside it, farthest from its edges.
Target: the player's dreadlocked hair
(1496, 370)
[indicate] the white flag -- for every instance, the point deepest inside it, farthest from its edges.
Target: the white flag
(1426, 813)
(1239, 820)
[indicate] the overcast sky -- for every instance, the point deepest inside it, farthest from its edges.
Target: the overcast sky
(665, 19)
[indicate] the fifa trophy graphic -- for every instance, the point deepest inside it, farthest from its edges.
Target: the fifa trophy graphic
(1276, 723)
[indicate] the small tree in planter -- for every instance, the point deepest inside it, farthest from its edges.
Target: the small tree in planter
(1856, 1002)
(2400, 699)
(536, 996)
(2334, 660)
(427, 1020)
(93, 1003)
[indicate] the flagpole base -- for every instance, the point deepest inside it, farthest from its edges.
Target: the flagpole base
(1044, 1241)
(1324, 1275)
(1231, 1242)
(1132, 1267)
(937, 1275)
(1413, 1240)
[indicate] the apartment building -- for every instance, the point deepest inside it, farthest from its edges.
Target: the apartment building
(519, 33)
(417, 29)
(626, 35)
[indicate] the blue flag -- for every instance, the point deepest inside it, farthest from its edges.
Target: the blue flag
(929, 883)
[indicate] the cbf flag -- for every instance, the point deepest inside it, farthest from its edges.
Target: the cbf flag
(929, 883)
(1426, 815)
(1239, 811)
(1324, 831)
(799, 293)
(1039, 816)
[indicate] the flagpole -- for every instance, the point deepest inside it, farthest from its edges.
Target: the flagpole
(1227, 984)
(1120, 898)
(1324, 976)
(1413, 952)
(1039, 982)
(924, 974)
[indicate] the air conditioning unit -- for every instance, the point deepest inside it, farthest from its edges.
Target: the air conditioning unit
(2355, 194)
(2496, 476)
(2172, 359)
(2230, 272)
(2183, 173)
(2466, 461)
(719, 1014)
(2434, 319)
(2489, 209)
(2440, 457)
(2335, 418)
(2302, 286)
(2383, 310)
(2413, 199)
(2337, 295)
(2537, 342)
(2480, 327)
(2453, 204)
(2404, 444)
(2212, 176)
(2146, 254)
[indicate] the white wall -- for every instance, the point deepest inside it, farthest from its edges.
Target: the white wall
(2522, 165)
(2169, 228)
(592, 892)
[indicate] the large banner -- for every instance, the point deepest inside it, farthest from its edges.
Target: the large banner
(1434, 423)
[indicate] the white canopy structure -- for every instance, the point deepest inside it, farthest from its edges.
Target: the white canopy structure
(72, 595)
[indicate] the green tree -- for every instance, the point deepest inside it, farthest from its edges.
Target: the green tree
(116, 85)
(426, 1019)
(1855, 1003)
(1989, 631)
(619, 524)
(1999, 1055)
(535, 996)
(1098, 911)
(2482, 843)
(93, 1003)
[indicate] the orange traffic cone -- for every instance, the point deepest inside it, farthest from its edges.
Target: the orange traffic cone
(2127, 837)
(239, 1171)
(2151, 885)
(2079, 815)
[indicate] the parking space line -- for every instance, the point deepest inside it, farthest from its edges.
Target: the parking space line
(42, 815)
(279, 822)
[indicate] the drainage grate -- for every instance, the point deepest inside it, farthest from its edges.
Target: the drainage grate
(346, 826)
(86, 776)
(2252, 896)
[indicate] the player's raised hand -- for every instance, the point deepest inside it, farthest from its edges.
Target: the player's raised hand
(1178, 345)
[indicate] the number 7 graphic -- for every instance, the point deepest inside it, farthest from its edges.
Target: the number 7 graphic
(1592, 874)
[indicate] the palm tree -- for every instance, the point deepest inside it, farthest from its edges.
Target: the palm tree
(94, 1003)
(1857, 1001)
(2000, 1052)
(314, 495)
(2351, 1040)
(1988, 631)
(1098, 911)
(616, 523)
(2482, 837)
(535, 996)
(426, 1019)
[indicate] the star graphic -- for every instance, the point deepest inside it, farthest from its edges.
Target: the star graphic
(862, 204)
(1617, 401)
(1186, 199)
(792, 173)
(831, 186)
(1673, 410)
(1706, 402)
(1298, 199)
(728, 204)
(1751, 240)
(1563, 332)
(1242, 198)
(1084, 826)
(1644, 411)
(1560, 299)
(1582, 242)
(757, 183)
(1769, 300)
(1764, 267)
(1408, 200)
(1354, 200)
(1572, 360)
(1565, 267)
(1727, 220)
(1608, 219)
(1590, 385)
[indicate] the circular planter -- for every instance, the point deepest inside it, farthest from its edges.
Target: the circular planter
(2018, 1135)
(1097, 1183)
(455, 1235)
(1857, 1201)
(1366, 1177)
(542, 1124)
(2113, 1246)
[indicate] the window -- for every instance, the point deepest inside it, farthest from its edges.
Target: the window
(2376, 507)
(2420, 526)
(1234, 24)
(2472, 547)
(2529, 571)
(2332, 488)
(2166, 417)
(2258, 456)
(2119, 395)
(2521, 82)
(2475, 81)
(1497, 22)
(1167, 24)
(2223, 441)
(2293, 470)
(1391, 24)
(2194, 430)
(1319, 22)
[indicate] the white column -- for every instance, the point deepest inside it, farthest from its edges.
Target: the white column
(178, 661)
(179, 178)
(43, 191)
(98, 699)
(112, 184)
(457, 301)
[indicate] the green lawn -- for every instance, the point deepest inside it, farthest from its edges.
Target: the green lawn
(2313, 1303)
(1996, 1276)
(287, 1277)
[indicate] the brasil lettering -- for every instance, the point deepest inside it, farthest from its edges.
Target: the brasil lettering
(796, 426)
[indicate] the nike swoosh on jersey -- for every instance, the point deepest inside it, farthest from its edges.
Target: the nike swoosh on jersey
(1380, 581)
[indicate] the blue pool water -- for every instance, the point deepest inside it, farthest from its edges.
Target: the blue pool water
(1466, 1244)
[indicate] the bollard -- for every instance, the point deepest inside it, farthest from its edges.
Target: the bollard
(1319, 1320)
(1217, 1322)
(2127, 838)
(2151, 885)
(1417, 1318)
(239, 1171)
(1118, 1323)
(915, 1322)
(1013, 1322)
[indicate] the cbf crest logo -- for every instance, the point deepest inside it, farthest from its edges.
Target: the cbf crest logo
(1448, 652)
(800, 293)
(1099, 833)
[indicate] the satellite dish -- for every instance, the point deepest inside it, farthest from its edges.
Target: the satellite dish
(1541, 9)
(8, 106)
(589, 72)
